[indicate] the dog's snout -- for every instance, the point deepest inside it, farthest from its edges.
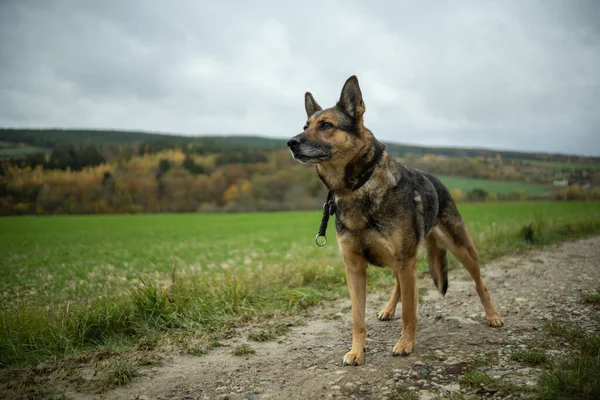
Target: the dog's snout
(293, 142)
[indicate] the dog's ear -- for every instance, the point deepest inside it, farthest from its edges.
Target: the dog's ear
(310, 105)
(351, 101)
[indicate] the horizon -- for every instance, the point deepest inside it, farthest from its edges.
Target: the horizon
(262, 136)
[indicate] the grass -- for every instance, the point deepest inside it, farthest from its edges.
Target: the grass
(409, 396)
(564, 165)
(72, 284)
(483, 360)
(475, 379)
(577, 376)
(532, 356)
(120, 375)
(271, 333)
(262, 336)
(495, 187)
(243, 350)
(14, 151)
(590, 298)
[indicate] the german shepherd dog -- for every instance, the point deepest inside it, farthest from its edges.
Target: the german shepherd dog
(385, 212)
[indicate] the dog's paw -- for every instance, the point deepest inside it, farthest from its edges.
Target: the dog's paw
(403, 347)
(495, 320)
(385, 314)
(354, 358)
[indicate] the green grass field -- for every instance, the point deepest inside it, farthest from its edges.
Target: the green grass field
(494, 187)
(74, 283)
(12, 151)
(564, 165)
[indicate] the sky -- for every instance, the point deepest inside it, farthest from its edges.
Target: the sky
(521, 75)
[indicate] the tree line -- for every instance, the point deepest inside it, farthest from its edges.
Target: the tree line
(173, 180)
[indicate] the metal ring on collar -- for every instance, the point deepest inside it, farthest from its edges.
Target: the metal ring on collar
(317, 240)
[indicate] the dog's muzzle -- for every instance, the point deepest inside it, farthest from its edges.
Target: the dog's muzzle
(309, 151)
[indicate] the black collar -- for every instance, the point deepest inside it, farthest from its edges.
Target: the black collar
(370, 166)
(329, 208)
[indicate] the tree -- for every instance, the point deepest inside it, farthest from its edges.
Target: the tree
(456, 194)
(477, 194)
(164, 165)
(231, 194)
(192, 167)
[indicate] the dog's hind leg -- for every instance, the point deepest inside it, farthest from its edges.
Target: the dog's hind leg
(461, 245)
(438, 263)
(388, 312)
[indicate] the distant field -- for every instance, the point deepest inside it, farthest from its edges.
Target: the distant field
(9, 150)
(92, 280)
(467, 184)
(564, 165)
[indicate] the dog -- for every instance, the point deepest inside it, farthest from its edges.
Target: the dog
(385, 212)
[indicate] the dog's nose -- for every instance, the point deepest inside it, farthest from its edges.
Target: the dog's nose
(293, 142)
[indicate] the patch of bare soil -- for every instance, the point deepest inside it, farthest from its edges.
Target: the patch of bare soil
(453, 338)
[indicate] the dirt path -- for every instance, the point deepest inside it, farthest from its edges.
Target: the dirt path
(528, 290)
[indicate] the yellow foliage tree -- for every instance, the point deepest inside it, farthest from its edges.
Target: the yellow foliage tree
(231, 194)
(245, 186)
(456, 194)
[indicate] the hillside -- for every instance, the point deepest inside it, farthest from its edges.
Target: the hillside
(52, 138)
(75, 172)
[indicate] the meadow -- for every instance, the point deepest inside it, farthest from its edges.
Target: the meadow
(71, 284)
(557, 165)
(494, 187)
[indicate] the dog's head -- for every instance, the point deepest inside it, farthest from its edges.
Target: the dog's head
(333, 133)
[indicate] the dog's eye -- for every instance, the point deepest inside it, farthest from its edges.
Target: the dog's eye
(305, 127)
(325, 125)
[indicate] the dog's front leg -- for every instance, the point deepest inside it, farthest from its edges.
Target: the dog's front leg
(356, 275)
(407, 275)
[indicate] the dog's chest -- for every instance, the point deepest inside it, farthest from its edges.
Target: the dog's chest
(357, 214)
(364, 225)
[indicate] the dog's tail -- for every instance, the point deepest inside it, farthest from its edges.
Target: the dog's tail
(438, 267)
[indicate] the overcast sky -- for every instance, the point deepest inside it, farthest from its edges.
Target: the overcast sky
(514, 75)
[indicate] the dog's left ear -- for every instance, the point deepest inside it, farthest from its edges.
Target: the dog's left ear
(351, 100)
(310, 105)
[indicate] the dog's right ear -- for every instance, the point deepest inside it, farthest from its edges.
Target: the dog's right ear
(310, 105)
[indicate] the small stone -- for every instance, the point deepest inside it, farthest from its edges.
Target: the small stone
(390, 382)
(336, 387)
(350, 386)
(453, 387)
(524, 371)
(426, 395)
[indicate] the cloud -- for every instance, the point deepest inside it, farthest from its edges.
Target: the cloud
(512, 75)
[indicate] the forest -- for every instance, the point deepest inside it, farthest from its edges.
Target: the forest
(84, 172)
